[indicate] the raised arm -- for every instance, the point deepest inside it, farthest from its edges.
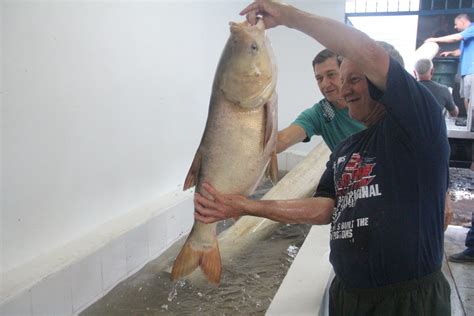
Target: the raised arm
(316, 211)
(453, 38)
(338, 37)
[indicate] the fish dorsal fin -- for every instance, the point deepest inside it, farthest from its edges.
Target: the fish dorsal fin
(191, 178)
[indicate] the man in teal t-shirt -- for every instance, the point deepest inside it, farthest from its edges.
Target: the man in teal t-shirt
(329, 117)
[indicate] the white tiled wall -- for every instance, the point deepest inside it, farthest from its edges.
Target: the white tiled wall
(72, 289)
(179, 220)
(86, 281)
(113, 263)
(19, 306)
(157, 232)
(281, 158)
(52, 296)
(288, 160)
(292, 159)
(136, 248)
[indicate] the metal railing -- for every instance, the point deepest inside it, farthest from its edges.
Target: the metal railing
(407, 7)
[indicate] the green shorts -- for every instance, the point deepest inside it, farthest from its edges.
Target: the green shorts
(429, 295)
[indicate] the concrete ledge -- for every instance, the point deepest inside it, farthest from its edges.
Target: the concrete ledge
(67, 280)
(302, 292)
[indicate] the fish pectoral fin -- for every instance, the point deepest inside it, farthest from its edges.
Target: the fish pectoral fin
(189, 259)
(191, 178)
(269, 117)
(272, 168)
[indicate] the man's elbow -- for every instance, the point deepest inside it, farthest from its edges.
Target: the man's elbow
(326, 209)
(323, 219)
(454, 112)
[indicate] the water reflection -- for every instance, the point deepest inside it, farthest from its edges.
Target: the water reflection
(249, 282)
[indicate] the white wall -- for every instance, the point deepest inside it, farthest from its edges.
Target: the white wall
(1, 135)
(399, 31)
(104, 105)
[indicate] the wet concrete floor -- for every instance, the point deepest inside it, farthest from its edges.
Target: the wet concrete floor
(460, 275)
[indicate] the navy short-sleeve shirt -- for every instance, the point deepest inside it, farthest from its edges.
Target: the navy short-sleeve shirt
(389, 183)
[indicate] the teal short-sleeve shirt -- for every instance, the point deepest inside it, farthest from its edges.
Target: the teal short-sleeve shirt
(328, 121)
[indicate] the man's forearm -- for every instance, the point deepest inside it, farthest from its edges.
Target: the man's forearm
(291, 135)
(343, 40)
(453, 38)
(315, 211)
(455, 53)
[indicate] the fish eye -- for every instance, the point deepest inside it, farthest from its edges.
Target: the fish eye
(254, 47)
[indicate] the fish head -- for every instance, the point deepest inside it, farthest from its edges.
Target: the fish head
(247, 70)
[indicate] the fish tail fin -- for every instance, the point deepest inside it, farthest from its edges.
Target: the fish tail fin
(211, 264)
(189, 259)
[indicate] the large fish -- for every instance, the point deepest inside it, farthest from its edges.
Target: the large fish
(239, 141)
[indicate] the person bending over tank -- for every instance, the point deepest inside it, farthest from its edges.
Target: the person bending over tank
(424, 71)
(462, 24)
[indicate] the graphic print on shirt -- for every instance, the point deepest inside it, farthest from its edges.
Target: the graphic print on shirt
(354, 183)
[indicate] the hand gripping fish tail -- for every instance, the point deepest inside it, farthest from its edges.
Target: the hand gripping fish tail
(189, 259)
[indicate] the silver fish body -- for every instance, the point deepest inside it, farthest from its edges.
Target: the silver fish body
(239, 141)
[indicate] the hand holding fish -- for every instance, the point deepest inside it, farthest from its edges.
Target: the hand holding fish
(218, 206)
(272, 12)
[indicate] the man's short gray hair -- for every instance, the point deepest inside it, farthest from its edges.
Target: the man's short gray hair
(463, 16)
(423, 66)
(392, 51)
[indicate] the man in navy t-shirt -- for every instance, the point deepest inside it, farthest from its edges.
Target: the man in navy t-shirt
(383, 191)
(387, 180)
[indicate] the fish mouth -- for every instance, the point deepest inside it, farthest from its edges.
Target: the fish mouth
(237, 27)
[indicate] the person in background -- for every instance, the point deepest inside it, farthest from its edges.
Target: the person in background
(462, 24)
(424, 73)
(384, 188)
(467, 255)
(329, 117)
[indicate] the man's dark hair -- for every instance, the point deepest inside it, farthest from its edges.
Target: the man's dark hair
(323, 55)
(392, 51)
